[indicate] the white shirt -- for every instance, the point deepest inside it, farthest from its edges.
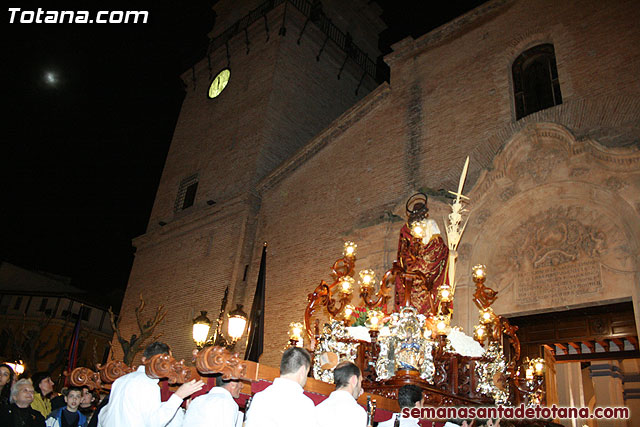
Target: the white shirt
(340, 409)
(214, 409)
(135, 401)
(404, 422)
(282, 404)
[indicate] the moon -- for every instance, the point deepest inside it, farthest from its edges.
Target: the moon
(50, 78)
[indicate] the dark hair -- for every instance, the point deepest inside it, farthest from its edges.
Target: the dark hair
(5, 394)
(220, 382)
(409, 395)
(73, 388)
(154, 348)
(343, 373)
(37, 379)
(293, 358)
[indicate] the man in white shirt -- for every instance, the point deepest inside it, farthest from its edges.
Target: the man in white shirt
(216, 408)
(340, 409)
(135, 397)
(283, 403)
(409, 396)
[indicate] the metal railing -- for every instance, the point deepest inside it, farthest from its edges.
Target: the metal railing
(314, 14)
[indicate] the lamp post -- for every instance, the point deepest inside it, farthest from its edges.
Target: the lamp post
(236, 325)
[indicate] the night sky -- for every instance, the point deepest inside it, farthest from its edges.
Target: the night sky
(88, 120)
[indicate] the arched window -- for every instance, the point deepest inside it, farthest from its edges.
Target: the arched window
(535, 80)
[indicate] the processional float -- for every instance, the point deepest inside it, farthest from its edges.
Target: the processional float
(414, 342)
(411, 343)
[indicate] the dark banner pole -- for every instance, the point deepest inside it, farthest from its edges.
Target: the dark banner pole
(255, 335)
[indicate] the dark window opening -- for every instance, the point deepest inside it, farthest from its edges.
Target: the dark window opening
(190, 195)
(18, 303)
(43, 304)
(186, 193)
(535, 80)
(246, 269)
(86, 312)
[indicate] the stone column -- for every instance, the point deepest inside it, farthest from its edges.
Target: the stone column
(570, 390)
(607, 385)
(631, 384)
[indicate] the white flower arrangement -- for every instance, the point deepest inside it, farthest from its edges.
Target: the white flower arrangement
(464, 345)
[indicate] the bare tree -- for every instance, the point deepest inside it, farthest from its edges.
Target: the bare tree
(133, 346)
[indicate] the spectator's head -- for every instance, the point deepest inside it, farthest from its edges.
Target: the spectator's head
(295, 365)
(42, 383)
(22, 393)
(410, 396)
(88, 398)
(154, 348)
(347, 377)
(73, 397)
(232, 386)
(6, 376)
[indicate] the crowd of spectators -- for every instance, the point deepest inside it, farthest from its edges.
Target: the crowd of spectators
(34, 402)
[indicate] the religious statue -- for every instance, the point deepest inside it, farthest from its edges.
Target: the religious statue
(423, 255)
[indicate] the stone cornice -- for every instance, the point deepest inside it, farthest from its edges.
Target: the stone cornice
(194, 220)
(408, 46)
(333, 131)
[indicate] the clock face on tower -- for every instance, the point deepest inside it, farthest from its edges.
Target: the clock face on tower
(219, 83)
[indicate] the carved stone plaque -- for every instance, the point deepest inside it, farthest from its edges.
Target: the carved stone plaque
(554, 257)
(556, 283)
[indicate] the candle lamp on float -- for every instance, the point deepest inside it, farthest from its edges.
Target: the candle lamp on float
(487, 316)
(295, 334)
(337, 295)
(350, 249)
(441, 324)
(374, 321)
(531, 383)
(480, 333)
(346, 285)
(445, 293)
(348, 314)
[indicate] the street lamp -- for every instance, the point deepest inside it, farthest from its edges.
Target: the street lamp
(18, 367)
(201, 326)
(237, 324)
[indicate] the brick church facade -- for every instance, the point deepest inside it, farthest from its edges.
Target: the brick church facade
(292, 155)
